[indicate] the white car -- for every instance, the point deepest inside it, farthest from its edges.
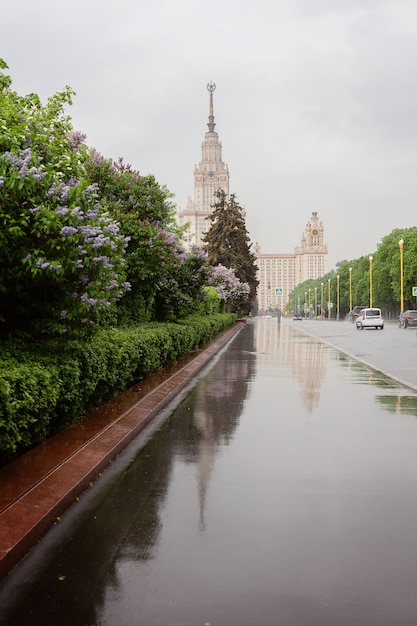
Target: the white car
(370, 318)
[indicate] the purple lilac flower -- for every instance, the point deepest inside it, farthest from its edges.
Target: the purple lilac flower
(67, 231)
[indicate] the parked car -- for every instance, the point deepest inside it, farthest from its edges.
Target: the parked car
(408, 318)
(355, 312)
(370, 318)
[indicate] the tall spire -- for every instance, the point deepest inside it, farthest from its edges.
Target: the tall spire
(211, 125)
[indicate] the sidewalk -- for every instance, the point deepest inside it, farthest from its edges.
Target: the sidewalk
(39, 486)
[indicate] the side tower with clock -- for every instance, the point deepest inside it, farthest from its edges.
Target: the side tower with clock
(209, 175)
(311, 255)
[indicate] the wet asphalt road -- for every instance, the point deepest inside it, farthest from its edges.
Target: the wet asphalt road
(392, 350)
(281, 491)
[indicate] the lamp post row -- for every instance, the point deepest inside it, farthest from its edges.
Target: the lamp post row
(371, 258)
(401, 243)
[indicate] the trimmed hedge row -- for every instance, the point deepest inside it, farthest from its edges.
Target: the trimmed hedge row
(48, 386)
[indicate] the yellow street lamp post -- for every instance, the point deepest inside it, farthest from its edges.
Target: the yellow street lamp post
(371, 258)
(350, 289)
(401, 242)
(338, 297)
(328, 299)
(321, 306)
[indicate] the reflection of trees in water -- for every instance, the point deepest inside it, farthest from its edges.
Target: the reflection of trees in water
(401, 402)
(125, 525)
(406, 405)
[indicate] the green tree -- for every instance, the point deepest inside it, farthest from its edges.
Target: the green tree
(227, 243)
(386, 269)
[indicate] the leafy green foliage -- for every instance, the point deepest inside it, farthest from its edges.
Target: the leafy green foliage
(212, 303)
(46, 386)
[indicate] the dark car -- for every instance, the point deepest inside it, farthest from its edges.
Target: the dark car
(355, 312)
(408, 318)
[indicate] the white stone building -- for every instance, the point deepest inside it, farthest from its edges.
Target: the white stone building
(279, 274)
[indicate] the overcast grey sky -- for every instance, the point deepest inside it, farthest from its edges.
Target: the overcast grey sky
(315, 102)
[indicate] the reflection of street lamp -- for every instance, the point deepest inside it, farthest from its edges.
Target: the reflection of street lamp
(401, 242)
(371, 258)
(309, 303)
(338, 296)
(321, 307)
(305, 303)
(350, 289)
(315, 301)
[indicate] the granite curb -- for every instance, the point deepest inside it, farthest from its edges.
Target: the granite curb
(40, 486)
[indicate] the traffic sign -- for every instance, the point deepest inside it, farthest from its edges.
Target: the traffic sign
(414, 291)
(278, 291)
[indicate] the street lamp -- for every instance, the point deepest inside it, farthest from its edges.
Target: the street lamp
(401, 242)
(338, 296)
(321, 308)
(350, 289)
(371, 258)
(328, 298)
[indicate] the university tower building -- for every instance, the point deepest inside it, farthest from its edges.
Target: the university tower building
(209, 175)
(278, 274)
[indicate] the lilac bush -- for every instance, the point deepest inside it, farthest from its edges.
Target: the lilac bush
(231, 290)
(61, 252)
(184, 274)
(166, 281)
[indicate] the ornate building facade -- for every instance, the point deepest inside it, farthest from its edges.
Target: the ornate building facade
(209, 175)
(278, 274)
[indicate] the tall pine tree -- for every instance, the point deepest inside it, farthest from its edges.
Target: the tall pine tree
(227, 242)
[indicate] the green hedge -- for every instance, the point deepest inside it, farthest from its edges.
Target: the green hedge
(47, 386)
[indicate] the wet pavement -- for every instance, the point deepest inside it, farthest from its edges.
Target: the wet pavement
(279, 490)
(392, 350)
(38, 487)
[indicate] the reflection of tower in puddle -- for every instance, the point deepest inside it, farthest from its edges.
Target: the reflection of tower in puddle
(309, 362)
(305, 356)
(205, 461)
(219, 405)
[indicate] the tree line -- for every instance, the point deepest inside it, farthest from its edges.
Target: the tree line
(391, 267)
